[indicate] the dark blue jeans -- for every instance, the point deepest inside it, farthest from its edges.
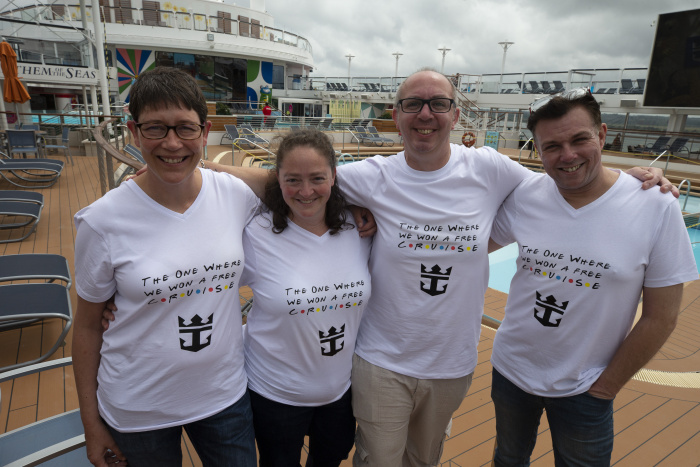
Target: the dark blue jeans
(224, 439)
(581, 426)
(280, 431)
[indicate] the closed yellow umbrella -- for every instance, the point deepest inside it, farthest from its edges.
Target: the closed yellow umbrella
(14, 90)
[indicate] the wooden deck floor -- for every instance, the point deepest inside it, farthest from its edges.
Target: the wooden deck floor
(654, 424)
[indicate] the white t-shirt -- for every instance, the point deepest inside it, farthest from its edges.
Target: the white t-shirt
(309, 295)
(580, 273)
(429, 261)
(174, 354)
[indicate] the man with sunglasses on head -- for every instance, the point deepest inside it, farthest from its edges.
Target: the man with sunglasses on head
(590, 242)
(434, 204)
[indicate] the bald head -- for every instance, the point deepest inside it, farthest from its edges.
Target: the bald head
(423, 71)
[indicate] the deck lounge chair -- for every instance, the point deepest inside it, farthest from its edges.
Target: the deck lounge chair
(58, 440)
(31, 266)
(21, 302)
(125, 170)
(248, 133)
(365, 138)
(231, 134)
(640, 86)
(678, 145)
(374, 133)
(47, 267)
(65, 143)
(601, 91)
(31, 212)
(31, 172)
(326, 124)
(536, 89)
(659, 146)
(547, 89)
(20, 195)
(627, 86)
(558, 86)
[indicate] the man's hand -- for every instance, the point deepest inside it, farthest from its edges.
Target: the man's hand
(652, 176)
(599, 391)
(101, 449)
(364, 220)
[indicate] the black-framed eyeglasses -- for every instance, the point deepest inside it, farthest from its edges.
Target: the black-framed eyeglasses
(186, 131)
(570, 95)
(413, 105)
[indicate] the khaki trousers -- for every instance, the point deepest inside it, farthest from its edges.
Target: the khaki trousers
(401, 420)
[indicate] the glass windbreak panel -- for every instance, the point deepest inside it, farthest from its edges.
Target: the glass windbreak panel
(204, 74)
(165, 59)
(277, 77)
(692, 125)
(185, 62)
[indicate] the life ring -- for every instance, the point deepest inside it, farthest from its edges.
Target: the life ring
(468, 139)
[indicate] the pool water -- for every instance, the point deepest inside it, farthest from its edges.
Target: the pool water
(502, 262)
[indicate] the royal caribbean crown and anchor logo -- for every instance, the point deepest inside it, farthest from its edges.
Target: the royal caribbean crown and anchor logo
(330, 342)
(545, 308)
(435, 277)
(196, 332)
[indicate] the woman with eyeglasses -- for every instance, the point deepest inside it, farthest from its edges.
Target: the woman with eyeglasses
(167, 245)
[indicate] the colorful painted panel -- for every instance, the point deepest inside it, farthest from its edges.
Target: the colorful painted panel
(259, 81)
(131, 63)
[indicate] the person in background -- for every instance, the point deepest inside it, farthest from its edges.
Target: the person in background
(307, 267)
(174, 359)
(267, 111)
(590, 243)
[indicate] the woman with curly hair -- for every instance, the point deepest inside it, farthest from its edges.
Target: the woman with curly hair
(307, 267)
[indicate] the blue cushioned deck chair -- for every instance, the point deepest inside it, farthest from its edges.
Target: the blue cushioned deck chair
(65, 143)
(55, 441)
(22, 302)
(22, 142)
(30, 212)
(374, 133)
(41, 173)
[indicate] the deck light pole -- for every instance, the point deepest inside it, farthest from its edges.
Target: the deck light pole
(397, 55)
(444, 51)
(349, 57)
(505, 44)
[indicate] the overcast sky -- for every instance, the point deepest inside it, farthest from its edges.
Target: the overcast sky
(549, 35)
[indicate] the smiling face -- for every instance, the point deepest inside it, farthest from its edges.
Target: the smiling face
(171, 160)
(426, 134)
(570, 147)
(306, 179)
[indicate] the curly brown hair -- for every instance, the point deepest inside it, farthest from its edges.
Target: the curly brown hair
(336, 207)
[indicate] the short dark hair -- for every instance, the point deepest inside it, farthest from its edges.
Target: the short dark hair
(164, 87)
(559, 106)
(336, 207)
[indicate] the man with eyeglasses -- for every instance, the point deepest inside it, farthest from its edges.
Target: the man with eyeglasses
(434, 204)
(590, 242)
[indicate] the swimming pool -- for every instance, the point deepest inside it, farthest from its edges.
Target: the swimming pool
(502, 264)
